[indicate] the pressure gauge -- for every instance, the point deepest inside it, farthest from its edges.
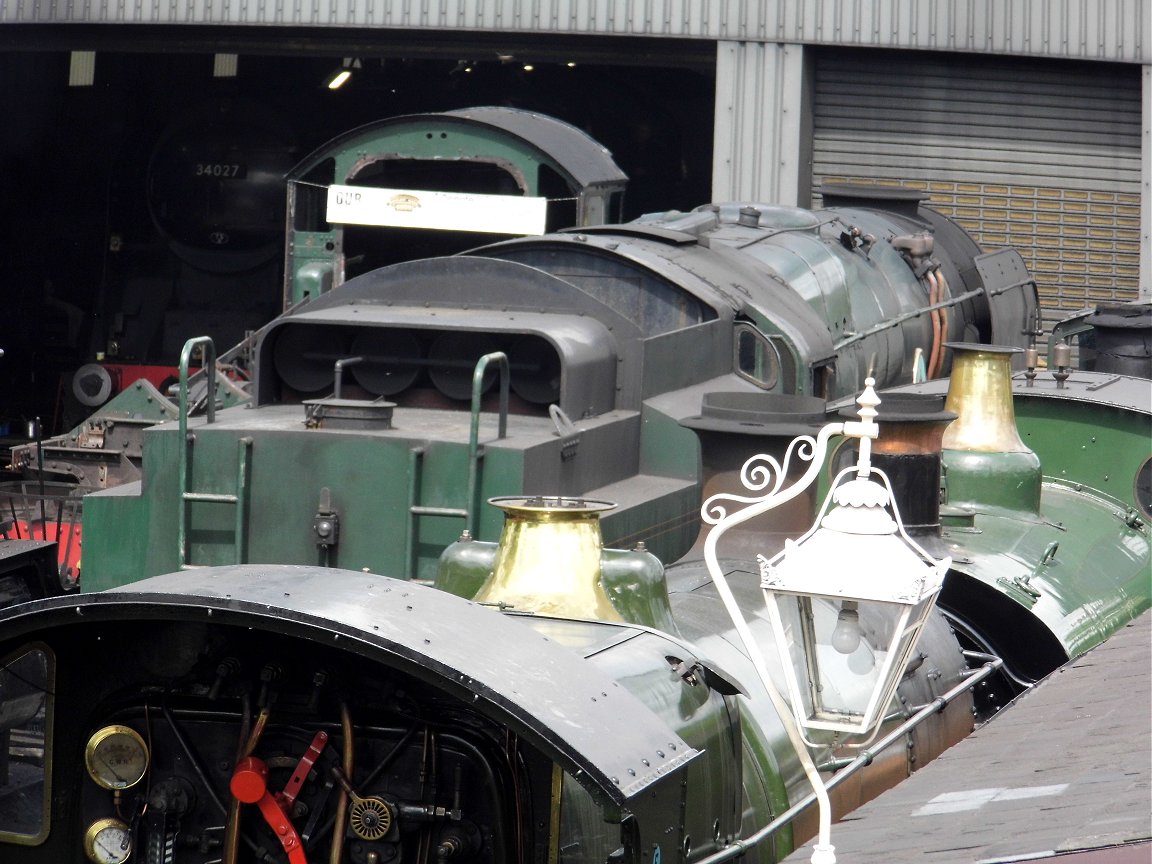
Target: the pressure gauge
(116, 757)
(108, 841)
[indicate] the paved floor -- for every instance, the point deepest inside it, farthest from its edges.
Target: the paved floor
(1067, 768)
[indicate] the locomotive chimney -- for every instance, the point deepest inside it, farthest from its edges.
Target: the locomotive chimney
(735, 427)
(985, 460)
(912, 428)
(548, 559)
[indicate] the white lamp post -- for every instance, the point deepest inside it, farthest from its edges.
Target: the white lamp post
(856, 555)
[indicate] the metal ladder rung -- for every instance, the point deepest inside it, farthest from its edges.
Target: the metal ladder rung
(211, 497)
(240, 499)
(418, 510)
(475, 455)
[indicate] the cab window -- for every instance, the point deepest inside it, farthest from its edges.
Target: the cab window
(25, 745)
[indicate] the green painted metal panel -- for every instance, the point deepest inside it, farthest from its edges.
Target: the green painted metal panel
(115, 538)
(445, 140)
(369, 485)
(1099, 446)
(1082, 585)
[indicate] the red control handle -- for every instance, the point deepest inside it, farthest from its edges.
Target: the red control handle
(249, 785)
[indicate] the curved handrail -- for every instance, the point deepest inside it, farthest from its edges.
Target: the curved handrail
(208, 356)
(500, 358)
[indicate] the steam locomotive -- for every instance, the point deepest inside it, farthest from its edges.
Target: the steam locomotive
(295, 641)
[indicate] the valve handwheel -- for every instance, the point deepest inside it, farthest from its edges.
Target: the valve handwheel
(370, 818)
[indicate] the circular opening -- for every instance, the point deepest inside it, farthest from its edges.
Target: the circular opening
(391, 361)
(305, 357)
(550, 504)
(452, 359)
(535, 369)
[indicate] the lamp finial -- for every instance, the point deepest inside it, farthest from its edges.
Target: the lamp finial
(865, 429)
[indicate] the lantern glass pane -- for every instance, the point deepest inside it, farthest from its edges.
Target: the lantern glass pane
(904, 643)
(836, 673)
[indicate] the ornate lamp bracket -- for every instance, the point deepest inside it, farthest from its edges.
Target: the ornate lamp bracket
(765, 474)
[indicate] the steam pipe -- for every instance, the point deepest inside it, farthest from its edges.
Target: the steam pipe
(933, 298)
(943, 313)
(338, 374)
(336, 851)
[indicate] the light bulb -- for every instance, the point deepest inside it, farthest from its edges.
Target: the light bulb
(846, 634)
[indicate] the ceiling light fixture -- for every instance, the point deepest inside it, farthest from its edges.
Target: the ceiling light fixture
(341, 76)
(224, 65)
(81, 68)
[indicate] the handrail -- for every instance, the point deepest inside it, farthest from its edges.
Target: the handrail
(474, 454)
(741, 846)
(469, 512)
(239, 500)
(208, 357)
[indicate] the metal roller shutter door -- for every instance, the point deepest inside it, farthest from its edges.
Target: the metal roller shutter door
(1037, 155)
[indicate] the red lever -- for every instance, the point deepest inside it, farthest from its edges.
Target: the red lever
(249, 785)
(292, 788)
(249, 780)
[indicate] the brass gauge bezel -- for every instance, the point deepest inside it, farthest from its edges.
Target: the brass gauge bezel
(103, 827)
(136, 757)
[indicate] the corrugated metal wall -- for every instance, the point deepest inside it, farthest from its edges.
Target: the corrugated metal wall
(759, 141)
(1116, 30)
(1043, 157)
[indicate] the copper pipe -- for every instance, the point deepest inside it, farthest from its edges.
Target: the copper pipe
(248, 739)
(232, 833)
(943, 312)
(933, 299)
(337, 850)
(257, 731)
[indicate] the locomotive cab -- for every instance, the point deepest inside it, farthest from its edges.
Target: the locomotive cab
(270, 714)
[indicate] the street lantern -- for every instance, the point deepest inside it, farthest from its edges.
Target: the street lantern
(857, 557)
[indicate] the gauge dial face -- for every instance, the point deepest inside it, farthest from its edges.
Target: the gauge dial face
(116, 757)
(108, 841)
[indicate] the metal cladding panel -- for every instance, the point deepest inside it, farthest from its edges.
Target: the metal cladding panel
(1006, 281)
(593, 726)
(758, 135)
(585, 345)
(1082, 591)
(1042, 157)
(467, 281)
(1116, 30)
(587, 161)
